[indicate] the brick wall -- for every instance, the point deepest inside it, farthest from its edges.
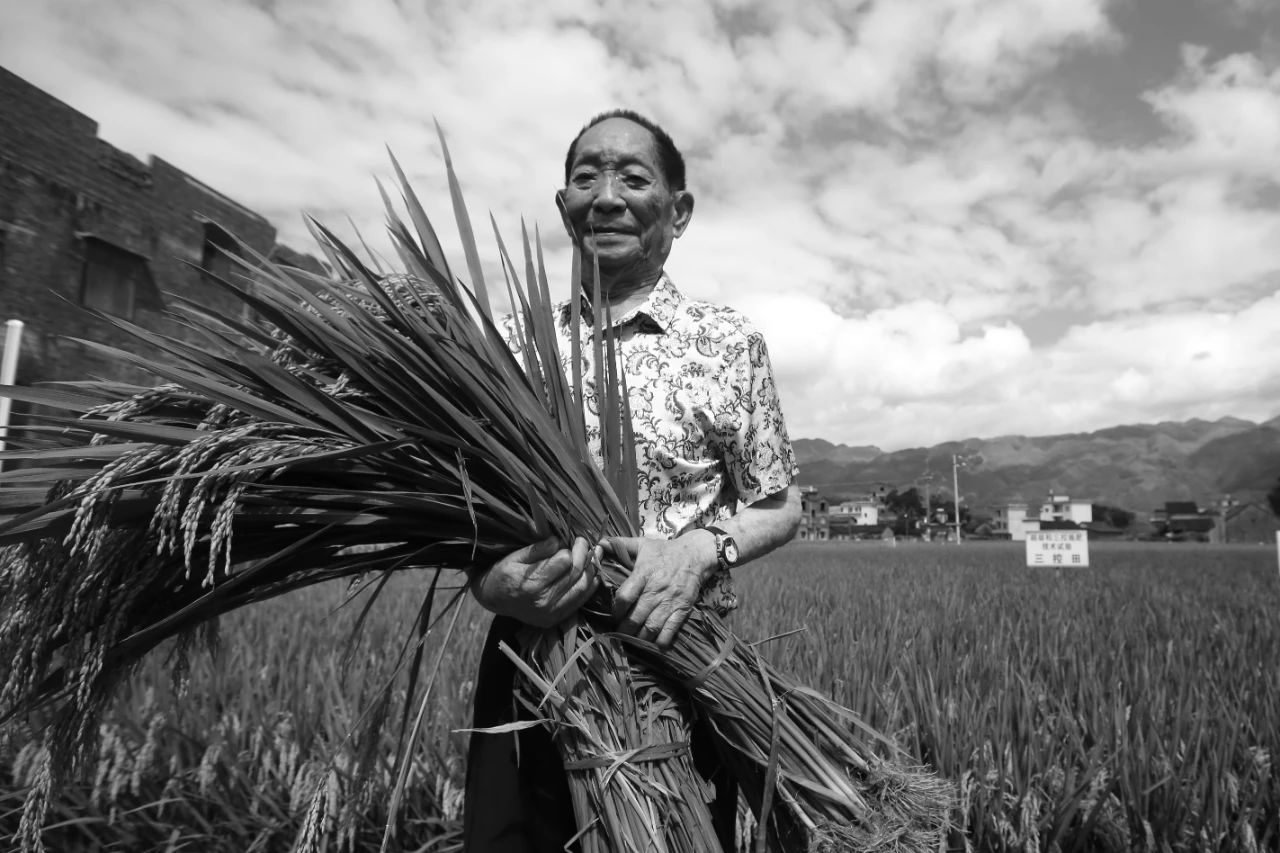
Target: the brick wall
(61, 188)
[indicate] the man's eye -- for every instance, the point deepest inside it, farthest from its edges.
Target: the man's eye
(583, 179)
(636, 182)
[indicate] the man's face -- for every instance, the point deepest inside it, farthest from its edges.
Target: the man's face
(617, 202)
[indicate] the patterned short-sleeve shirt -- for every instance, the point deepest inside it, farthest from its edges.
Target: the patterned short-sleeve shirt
(710, 436)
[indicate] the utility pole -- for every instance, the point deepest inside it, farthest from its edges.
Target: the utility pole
(956, 461)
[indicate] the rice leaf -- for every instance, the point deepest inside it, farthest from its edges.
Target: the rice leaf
(467, 236)
(426, 234)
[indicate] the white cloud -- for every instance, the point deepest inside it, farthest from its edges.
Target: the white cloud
(1183, 362)
(841, 368)
(1228, 115)
(894, 191)
(989, 48)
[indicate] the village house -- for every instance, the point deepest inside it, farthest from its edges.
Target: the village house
(83, 223)
(1011, 520)
(1182, 520)
(1015, 520)
(855, 519)
(814, 516)
(1251, 523)
(1062, 508)
(822, 521)
(861, 511)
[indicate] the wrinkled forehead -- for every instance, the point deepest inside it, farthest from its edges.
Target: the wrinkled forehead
(617, 140)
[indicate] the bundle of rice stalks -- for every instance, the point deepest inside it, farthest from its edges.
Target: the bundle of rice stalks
(809, 768)
(376, 423)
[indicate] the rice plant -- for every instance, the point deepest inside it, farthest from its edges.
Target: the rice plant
(1131, 706)
(1134, 705)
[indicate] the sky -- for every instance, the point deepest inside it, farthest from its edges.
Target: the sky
(950, 218)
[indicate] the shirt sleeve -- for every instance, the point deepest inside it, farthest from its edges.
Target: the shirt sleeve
(755, 446)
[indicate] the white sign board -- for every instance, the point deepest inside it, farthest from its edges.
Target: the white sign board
(1058, 548)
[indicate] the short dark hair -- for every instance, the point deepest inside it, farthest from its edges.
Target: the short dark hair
(669, 157)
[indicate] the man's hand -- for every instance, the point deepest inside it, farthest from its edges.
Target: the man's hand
(654, 602)
(540, 585)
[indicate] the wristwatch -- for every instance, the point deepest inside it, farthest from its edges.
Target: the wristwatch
(726, 548)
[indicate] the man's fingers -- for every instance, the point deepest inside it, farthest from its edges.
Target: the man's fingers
(538, 551)
(624, 549)
(571, 589)
(580, 551)
(627, 595)
(671, 629)
(636, 622)
(643, 616)
(564, 599)
(653, 623)
(581, 589)
(665, 622)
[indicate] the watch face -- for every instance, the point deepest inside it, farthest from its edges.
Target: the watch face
(730, 551)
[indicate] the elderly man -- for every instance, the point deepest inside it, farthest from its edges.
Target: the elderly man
(715, 471)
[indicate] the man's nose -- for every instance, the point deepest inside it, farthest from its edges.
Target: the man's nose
(606, 192)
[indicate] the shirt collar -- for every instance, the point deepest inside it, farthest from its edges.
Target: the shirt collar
(658, 308)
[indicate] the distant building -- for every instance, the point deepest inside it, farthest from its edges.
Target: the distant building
(1246, 523)
(85, 224)
(1182, 520)
(1104, 530)
(856, 519)
(1012, 520)
(841, 528)
(862, 512)
(1058, 512)
(1062, 508)
(815, 524)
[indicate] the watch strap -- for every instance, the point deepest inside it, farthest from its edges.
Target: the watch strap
(721, 538)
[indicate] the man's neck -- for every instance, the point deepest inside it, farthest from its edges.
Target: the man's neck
(623, 293)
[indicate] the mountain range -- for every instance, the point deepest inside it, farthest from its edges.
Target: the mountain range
(1137, 467)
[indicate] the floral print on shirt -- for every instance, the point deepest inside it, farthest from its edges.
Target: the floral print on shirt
(710, 436)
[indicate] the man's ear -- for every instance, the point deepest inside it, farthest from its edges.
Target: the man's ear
(564, 216)
(682, 201)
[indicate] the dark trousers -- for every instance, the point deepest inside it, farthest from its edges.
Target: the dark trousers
(517, 797)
